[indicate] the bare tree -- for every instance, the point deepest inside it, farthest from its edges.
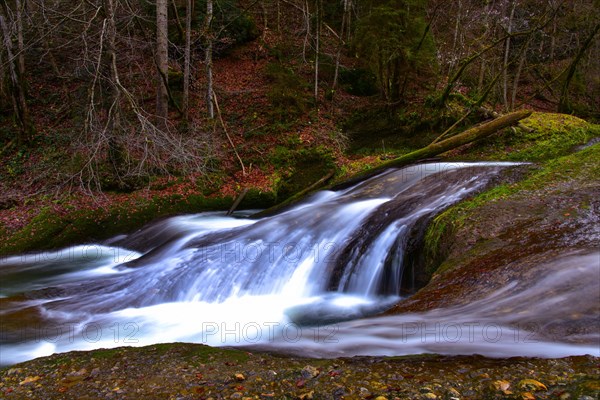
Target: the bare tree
(187, 59)
(564, 104)
(208, 59)
(162, 62)
(17, 84)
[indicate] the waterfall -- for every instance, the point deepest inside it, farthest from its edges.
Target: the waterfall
(210, 278)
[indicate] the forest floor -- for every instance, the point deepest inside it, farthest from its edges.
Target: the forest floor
(192, 371)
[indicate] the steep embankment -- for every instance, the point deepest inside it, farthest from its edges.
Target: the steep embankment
(510, 234)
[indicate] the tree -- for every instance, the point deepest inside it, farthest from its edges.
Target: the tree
(388, 39)
(564, 104)
(187, 59)
(16, 71)
(162, 62)
(208, 58)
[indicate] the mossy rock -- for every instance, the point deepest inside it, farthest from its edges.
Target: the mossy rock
(50, 230)
(551, 136)
(582, 166)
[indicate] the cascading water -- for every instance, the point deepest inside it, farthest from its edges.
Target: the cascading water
(220, 280)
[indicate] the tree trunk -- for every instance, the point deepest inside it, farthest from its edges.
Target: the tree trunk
(162, 63)
(18, 89)
(468, 136)
(456, 32)
(20, 44)
(3, 91)
(340, 44)
(506, 57)
(116, 152)
(209, 59)
(317, 49)
(517, 77)
(187, 61)
(564, 104)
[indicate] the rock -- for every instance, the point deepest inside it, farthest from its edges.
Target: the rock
(307, 396)
(364, 393)
(309, 372)
(532, 385)
(81, 372)
(14, 371)
(452, 394)
(29, 379)
(425, 389)
(527, 396)
(429, 396)
(586, 398)
(381, 398)
(501, 385)
(239, 377)
(236, 395)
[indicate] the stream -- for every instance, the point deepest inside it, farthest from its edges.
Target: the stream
(311, 280)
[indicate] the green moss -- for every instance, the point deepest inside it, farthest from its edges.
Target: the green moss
(581, 166)
(50, 230)
(551, 136)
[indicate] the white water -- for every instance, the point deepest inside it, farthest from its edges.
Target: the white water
(276, 282)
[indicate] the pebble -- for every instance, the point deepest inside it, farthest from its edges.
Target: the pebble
(429, 396)
(309, 372)
(240, 377)
(531, 384)
(452, 394)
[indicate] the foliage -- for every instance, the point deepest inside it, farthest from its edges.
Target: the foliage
(389, 41)
(232, 24)
(288, 93)
(359, 81)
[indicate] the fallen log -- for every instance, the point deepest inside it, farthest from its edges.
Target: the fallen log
(470, 135)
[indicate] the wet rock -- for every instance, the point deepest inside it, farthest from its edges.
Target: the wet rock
(452, 394)
(14, 371)
(531, 385)
(307, 396)
(309, 372)
(29, 379)
(364, 393)
(239, 377)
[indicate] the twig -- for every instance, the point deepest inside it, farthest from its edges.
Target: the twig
(227, 133)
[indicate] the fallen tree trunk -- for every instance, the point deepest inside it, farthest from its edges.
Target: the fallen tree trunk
(475, 133)
(468, 136)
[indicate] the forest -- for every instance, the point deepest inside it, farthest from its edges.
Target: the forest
(101, 98)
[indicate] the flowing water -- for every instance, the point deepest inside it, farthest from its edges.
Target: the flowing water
(307, 280)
